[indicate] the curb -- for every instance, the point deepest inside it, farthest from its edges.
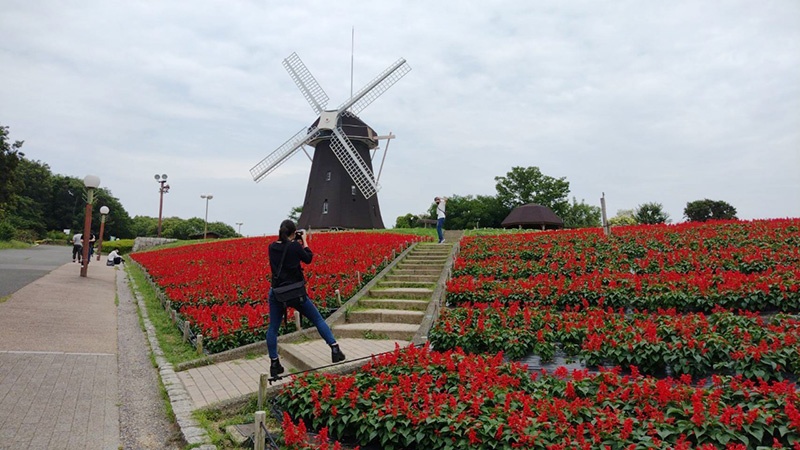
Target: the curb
(181, 403)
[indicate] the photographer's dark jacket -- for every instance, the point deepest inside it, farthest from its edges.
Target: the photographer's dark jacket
(292, 271)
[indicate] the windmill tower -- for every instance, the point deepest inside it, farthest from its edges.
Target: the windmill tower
(342, 190)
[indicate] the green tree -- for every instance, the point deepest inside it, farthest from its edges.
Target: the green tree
(10, 157)
(142, 226)
(529, 185)
(650, 213)
(464, 212)
(624, 217)
(581, 215)
(407, 221)
(703, 210)
(294, 213)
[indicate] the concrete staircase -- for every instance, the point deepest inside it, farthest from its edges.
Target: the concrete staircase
(395, 307)
(390, 312)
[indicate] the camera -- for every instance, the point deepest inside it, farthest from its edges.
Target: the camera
(299, 235)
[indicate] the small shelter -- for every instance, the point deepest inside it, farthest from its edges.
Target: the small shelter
(533, 216)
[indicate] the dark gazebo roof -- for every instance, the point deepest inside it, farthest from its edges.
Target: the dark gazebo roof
(533, 216)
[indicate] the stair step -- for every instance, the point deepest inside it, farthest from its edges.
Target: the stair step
(408, 264)
(385, 316)
(412, 293)
(404, 331)
(421, 278)
(394, 303)
(316, 353)
(417, 271)
(405, 284)
(426, 258)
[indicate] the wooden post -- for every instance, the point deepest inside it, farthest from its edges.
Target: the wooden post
(297, 320)
(186, 331)
(263, 379)
(259, 438)
(199, 344)
(359, 278)
(339, 297)
(606, 228)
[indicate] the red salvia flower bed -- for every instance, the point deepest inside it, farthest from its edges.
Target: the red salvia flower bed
(222, 287)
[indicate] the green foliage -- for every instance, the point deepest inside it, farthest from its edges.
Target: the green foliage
(624, 217)
(703, 210)
(468, 212)
(294, 213)
(529, 185)
(581, 215)
(650, 214)
(9, 160)
(407, 221)
(6, 231)
(124, 246)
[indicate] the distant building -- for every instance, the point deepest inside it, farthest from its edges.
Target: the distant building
(533, 216)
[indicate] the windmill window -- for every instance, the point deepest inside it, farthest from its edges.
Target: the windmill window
(328, 176)
(325, 207)
(352, 190)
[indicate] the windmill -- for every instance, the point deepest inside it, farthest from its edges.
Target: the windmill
(342, 190)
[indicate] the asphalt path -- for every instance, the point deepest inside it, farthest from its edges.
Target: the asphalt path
(20, 267)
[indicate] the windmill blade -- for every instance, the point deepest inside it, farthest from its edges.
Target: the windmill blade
(282, 153)
(353, 163)
(308, 85)
(376, 87)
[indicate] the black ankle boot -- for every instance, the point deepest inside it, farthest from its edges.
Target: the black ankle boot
(275, 368)
(336, 353)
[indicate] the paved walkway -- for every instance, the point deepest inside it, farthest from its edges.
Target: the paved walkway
(58, 362)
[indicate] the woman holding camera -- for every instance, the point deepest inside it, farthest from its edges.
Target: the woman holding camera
(285, 258)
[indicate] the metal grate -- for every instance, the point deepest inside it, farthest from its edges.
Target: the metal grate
(376, 87)
(353, 163)
(282, 153)
(308, 85)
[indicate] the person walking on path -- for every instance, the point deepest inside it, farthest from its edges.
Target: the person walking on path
(441, 203)
(77, 247)
(285, 258)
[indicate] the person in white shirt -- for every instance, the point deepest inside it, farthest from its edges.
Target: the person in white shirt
(114, 258)
(441, 203)
(77, 247)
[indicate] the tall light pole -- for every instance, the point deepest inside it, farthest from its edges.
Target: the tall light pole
(91, 182)
(240, 227)
(103, 212)
(207, 197)
(162, 190)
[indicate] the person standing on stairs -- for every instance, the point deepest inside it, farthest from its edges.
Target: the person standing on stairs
(285, 258)
(441, 202)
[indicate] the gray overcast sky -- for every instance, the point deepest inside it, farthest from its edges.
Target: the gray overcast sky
(657, 101)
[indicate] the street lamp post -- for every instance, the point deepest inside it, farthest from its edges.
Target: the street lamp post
(162, 190)
(91, 182)
(205, 229)
(103, 212)
(240, 227)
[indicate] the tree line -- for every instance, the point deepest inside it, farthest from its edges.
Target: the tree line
(523, 185)
(36, 204)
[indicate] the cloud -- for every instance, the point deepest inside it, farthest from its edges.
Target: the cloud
(659, 101)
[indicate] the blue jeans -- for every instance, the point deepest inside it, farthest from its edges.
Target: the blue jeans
(439, 226)
(307, 309)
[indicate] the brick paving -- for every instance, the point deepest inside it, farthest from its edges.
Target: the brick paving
(58, 362)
